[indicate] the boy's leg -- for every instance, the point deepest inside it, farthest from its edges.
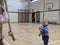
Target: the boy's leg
(45, 39)
(1, 40)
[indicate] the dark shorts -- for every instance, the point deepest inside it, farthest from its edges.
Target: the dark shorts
(45, 39)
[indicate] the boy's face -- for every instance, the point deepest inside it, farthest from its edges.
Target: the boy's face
(45, 23)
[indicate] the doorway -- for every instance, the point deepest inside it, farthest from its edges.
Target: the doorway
(33, 17)
(38, 16)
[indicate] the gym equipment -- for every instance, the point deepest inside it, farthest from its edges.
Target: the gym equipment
(2, 2)
(10, 30)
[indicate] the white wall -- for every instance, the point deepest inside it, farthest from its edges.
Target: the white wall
(14, 5)
(55, 3)
(13, 17)
(30, 17)
(52, 16)
(38, 6)
(55, 14)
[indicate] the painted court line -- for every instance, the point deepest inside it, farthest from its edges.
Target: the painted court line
(5, 42)
(54, 42)
(34, 42)
(51, 42)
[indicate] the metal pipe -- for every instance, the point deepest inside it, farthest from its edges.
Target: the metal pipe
(1, 38)
(35, 12)
(43, 9)
(10, 30)
(59, 12)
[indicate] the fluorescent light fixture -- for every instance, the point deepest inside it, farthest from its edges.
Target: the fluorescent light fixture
(34, 0)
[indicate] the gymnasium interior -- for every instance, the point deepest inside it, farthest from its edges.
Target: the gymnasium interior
(25, 18)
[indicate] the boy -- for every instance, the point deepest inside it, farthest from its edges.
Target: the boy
(44, 32)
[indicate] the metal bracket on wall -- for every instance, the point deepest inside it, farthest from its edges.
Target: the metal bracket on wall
(59, 12)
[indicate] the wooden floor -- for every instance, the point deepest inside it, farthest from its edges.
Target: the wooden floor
(27, 34)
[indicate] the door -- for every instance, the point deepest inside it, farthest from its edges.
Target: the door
(33, 17)
(37, 16)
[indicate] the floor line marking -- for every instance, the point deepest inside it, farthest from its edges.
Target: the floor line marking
(54, 42)
(6, 42)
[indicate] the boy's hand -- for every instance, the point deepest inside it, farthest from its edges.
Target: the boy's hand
(40, 28)
(39, 35)
(41, 31)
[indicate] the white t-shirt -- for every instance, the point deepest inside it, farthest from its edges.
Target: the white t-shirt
(4, 17)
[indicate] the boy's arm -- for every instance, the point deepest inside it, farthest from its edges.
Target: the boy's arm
(40, 31)
(39, 34)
